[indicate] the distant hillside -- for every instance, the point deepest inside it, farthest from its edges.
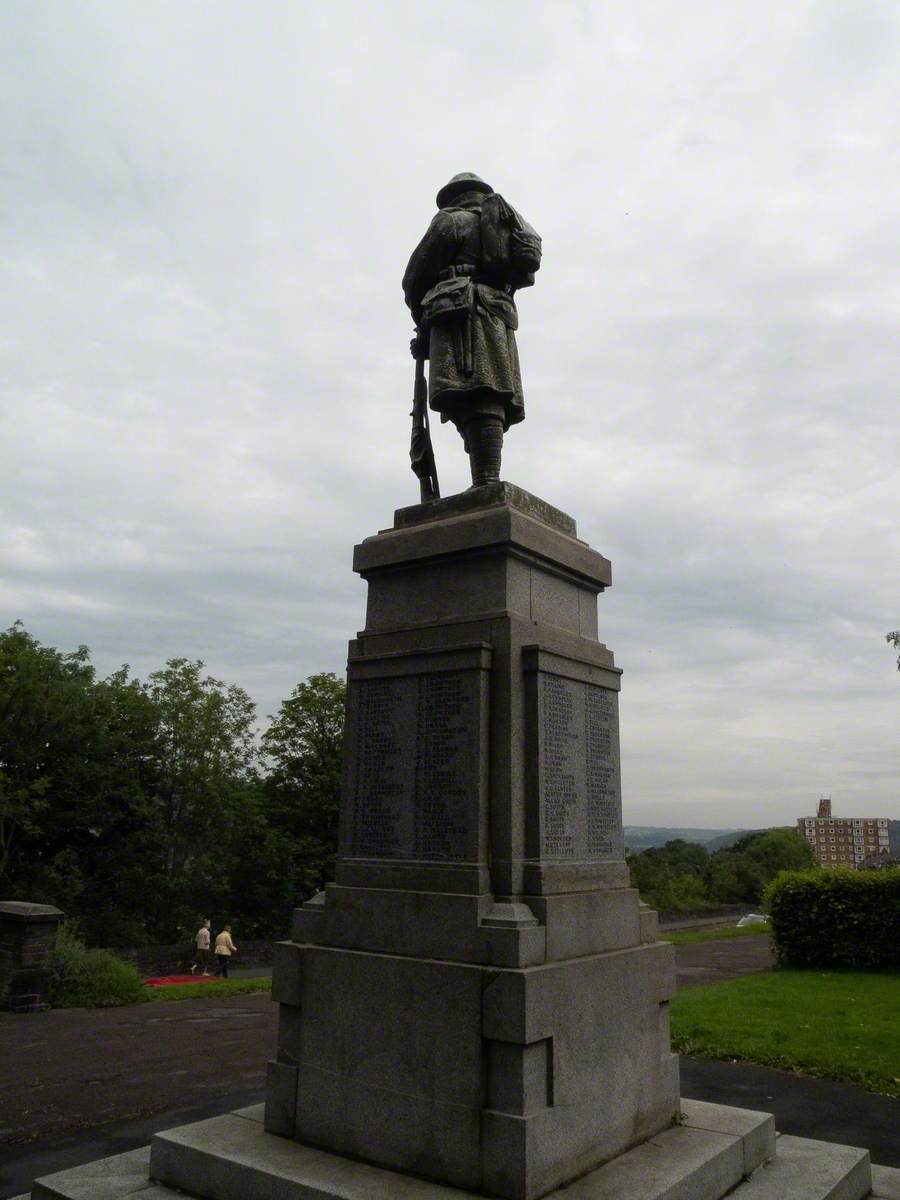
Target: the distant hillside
(642, 837)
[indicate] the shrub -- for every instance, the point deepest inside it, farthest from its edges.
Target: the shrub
(84, 978)
(836, 918)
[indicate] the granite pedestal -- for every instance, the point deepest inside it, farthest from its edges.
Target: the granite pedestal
(479, 998)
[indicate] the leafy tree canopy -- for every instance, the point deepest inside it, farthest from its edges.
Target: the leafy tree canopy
(304, 747)
(140, 807)
(683, 875)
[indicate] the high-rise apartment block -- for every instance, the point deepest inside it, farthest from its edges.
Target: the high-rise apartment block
(845, 841)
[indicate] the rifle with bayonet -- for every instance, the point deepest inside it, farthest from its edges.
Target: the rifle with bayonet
(421, 452)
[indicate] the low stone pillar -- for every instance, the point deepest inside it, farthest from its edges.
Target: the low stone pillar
(27, 938)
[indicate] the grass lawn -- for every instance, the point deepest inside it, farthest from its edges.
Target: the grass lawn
(201, 991)
(687, 937)
(841, 1024)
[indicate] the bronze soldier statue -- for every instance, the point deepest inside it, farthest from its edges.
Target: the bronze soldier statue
(460, 287)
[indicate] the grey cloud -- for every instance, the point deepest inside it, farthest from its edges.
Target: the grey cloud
(205, 214)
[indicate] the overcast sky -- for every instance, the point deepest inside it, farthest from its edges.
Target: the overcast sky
(206, 211)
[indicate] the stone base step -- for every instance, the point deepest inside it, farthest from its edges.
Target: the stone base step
(886, 1183)
(227, 1158)
(715, 1151)
(118, 1177)
(807, 1170)
(114, 1178)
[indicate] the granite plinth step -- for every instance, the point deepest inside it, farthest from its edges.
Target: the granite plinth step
(715, 1151)
(886, 1183)
(225, 1158)
(804, 1169)
(117, 1177)
(150, 1191)
(113, 1178)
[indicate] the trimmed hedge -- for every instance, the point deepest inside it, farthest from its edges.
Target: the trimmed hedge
(835, 918)
(82, 978)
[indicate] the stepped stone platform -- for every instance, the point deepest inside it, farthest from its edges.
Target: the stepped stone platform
(715, 1151)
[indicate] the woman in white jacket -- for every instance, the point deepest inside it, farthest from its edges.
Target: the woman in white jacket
(225, 947)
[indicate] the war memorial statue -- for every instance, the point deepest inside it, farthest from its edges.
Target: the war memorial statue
(478, 1004)
(460, 287)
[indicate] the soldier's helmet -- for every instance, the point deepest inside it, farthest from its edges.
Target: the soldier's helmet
(464, 182)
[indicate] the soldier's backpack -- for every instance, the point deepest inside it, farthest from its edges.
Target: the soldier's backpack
(510, 247)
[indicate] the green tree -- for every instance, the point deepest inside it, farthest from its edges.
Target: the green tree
(683, 875)
(74, 755)
(269, 873)
(734, 878)
(45, 721)
(304, 746)
(204, 771)
(893, 639)
(777, 850)
(741, 872)
(138, 807)
(671, 877)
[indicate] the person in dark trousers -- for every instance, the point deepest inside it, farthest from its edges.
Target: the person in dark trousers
(225, 947)
(201, 943)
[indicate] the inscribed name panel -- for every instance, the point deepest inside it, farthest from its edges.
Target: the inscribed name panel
(416, 786)
(580, 799)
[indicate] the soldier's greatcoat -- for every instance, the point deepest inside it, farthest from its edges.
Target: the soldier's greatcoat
(454, 240)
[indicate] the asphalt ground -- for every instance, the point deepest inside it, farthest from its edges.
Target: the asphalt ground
(79, 1084)
(803, 1106)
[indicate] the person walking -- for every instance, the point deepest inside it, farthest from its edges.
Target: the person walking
(225, 947)
(201, 943)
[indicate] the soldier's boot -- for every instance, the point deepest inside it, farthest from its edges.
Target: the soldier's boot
(484, 441)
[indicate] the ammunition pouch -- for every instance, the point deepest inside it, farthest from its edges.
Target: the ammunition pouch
(449, 300)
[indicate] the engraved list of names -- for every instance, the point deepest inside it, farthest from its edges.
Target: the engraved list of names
(415, 794)
(580, 793)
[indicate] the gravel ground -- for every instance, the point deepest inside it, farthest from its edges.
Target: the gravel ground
(74, 1068)
(711, 962)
